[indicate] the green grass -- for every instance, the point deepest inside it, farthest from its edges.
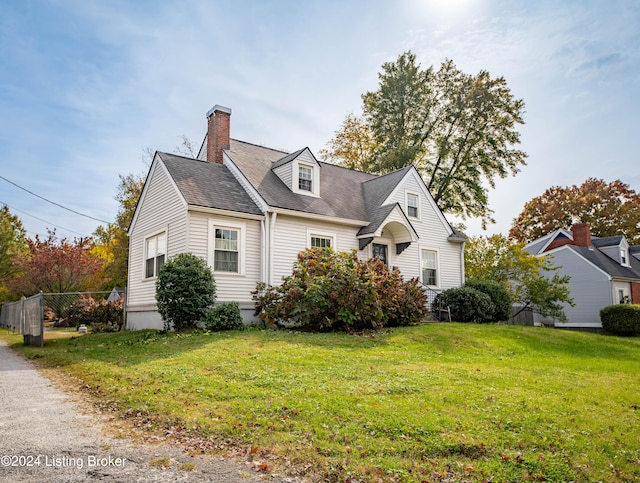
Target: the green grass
(441, 402)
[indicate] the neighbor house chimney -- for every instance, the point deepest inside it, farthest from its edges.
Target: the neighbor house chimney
(581, 234)
(218, 125)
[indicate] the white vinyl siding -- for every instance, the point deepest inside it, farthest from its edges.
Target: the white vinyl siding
(285, 173)
(163, 210)
(230, 286)
(591, 288)
(433, 234)
(293, 234)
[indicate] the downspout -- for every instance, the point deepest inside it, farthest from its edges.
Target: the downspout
(272, 227)
(462, 280)
(263, 255)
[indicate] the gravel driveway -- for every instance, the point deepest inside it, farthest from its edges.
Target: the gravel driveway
(47, 436)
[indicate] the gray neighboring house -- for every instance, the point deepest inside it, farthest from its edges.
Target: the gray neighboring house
(248, 210)
(604, 271)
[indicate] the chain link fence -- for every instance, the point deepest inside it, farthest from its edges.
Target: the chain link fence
(103, 311)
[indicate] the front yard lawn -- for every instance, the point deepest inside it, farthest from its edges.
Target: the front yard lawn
(438, 402)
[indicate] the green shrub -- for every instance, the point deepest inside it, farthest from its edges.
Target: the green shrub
(466, 304)
(621, 319)
(224, 316)
(185, 290)
(500, 297)
(329, 291)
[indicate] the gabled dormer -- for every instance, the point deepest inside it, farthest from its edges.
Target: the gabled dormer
(616, 248)
(300, 171)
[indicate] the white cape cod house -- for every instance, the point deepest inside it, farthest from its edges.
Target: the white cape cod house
(249, 210)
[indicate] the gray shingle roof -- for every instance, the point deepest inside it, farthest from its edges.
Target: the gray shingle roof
(340, 188)
(208, 185)
(608, 265)
(608, 241)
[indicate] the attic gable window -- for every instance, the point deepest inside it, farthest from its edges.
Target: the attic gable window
(412, 205)
(305, 178)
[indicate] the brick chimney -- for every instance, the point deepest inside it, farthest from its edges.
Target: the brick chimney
(581, 234)
(218, 127)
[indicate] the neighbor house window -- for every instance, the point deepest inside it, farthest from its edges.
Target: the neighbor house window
(225, 257)
(305, 177)
(429, 261)
(412, 205)
(320, 241)
(156, 251)
(623, 256)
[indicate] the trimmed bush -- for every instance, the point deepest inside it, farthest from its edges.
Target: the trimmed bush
(621, 319)
(329, 291)
(500, 297)
(224, 316)
(185, 290)
(466, 304)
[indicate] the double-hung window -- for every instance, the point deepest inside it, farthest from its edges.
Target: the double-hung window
(226, 250)
(623, 257)
(305, 178)
(156, 251)
(429, 261)
(412, 205)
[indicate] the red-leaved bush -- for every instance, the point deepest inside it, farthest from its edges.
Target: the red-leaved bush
(329, 291)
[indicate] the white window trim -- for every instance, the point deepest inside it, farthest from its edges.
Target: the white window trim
(321, 234)
(406, 204)
(242, 230)
(315, 178)
(438, 273)
(624, 257)
(146, 253)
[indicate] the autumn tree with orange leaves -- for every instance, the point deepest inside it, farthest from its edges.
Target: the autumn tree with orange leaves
(609, 208)
(55, 266)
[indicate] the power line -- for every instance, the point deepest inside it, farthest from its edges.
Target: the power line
(53, 202)
(33, 216)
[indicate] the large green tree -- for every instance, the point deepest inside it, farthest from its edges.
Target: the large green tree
(609, 208)
(13, 243)
(459, 130)
(532, 280)
(113, 239)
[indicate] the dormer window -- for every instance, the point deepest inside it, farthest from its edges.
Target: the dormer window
(300, 171)
(305, 178)
(623, 257)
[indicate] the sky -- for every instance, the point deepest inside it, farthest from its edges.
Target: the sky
(88, 87)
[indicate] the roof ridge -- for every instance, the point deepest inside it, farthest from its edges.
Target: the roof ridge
(181, 156)
(381, 176)
(261, 146)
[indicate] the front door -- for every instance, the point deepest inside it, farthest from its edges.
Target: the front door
(380, 251)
